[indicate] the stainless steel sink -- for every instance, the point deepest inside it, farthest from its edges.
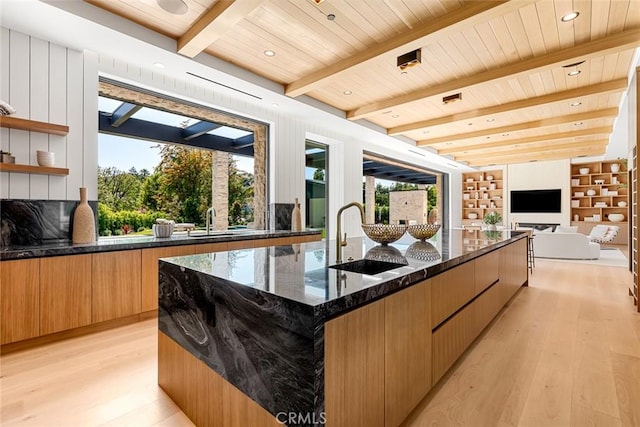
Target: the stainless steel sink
(367, 266)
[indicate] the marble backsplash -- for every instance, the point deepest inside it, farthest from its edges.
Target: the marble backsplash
(37, 222)
(281, 216)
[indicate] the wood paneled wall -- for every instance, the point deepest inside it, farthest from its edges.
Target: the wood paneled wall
(49, 83)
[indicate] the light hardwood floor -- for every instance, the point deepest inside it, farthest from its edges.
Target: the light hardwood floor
(565, 352)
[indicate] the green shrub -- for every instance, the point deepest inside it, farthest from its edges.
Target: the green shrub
(114, 221)
(141, 229)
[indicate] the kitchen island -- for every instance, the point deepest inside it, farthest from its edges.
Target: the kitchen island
(273, 335)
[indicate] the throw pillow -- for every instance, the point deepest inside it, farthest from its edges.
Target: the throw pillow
(572, 229)
(598, 232)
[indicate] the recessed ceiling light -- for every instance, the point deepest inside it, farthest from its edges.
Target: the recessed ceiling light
(425, 131)
(469, 124)
(404, 73)
(570, 16)
(488, 137)
(347, 92)
(158, 64)
(505, 134)
(331, 17)
(575, 104)
(269, 53)
(387, 112)
(491, 120)
(573, 73)
(448, 143)
(395, 116)
(175, 7)
(578, 124)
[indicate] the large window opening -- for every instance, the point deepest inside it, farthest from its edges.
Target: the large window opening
(397, 193)
(179, 165)
(316, 161)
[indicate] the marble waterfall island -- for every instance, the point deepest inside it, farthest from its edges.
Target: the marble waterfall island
(244, 335)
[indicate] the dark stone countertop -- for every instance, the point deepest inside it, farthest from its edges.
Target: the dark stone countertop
(108, 244)
(301, 273)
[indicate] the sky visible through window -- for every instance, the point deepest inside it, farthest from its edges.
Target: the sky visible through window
(126, 153)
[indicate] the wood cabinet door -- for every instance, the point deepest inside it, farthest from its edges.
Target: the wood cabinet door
(116, 285)
(19, 300)
(354, 368)
(407, 345)
(65, 293)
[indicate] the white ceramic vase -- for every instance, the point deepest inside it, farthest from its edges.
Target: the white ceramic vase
(615, 167)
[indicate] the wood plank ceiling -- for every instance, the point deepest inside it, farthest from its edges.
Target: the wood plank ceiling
(510, 60)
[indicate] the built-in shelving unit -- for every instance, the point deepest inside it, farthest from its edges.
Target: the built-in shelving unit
(598, 191)
(33, 125)
(11, 167)
(482, 192)
(633, 290)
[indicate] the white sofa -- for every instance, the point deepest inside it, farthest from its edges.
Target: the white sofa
(564, 245)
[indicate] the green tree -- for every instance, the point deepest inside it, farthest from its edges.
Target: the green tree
(240, 195)
(318, 175)
(184, 183)
(119, 190)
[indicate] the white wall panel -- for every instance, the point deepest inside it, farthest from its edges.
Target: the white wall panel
(90, 125)
(75, 115)
(58, 114)
(4, 95)
(38, 110)
(19, 99)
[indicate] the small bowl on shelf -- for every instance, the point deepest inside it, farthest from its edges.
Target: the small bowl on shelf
(45, 158)
(472, 215)
(423, 231)
(384, 233)
(583, 171)
(616, 217)
(622, 204)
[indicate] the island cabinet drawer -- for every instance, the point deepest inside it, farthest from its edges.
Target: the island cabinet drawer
(451, 339)
(451, 290)
(513, 268)
(487, 270)
(19, 300)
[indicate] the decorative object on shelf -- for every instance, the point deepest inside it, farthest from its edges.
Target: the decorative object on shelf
(384, 233)
(476, 195)
(605, 192)
(596, 217)
(578, 194)
(583, 171)
(46, 158)
(600, 205)
(465, 196)
(616, 217)
(472, 215)
(489, 177)
(469, 179)
(614, 179)
(615, 167)
(163, 227)
(591, 192)
(613, 192)
(6, 157)
(6, 109)
(423, 231)
(296, 217)
(492, 219)
(469, 188)
(575, 181)
(622, 204)
(470, 205)
(598, 181)
(492, 186)
(84, 226)
(575, 203)
(576, 217)
(481, 177)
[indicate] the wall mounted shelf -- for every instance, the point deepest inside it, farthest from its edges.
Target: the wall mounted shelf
(11, 167)
(33, 125)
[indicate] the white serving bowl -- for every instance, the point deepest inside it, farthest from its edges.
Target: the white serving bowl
(616, 217)
(45, 158)
(472, 216)
(622, 204)
(583, 171)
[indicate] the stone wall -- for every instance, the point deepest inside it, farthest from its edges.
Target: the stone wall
(408, 206)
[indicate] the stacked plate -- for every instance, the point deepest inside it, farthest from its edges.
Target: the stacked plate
(45, 158)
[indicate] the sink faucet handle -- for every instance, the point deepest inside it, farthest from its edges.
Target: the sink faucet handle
(344, 241)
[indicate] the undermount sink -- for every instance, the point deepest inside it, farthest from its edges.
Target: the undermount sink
(367, 266)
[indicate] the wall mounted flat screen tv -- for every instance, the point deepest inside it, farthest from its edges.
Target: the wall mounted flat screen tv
(536, 201)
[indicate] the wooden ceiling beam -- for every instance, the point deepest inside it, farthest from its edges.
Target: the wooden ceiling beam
(551, 121)
(470, 13)
(551, 155)
(604, 130)
(600, 47)
(215, 22)
(532, 150)
(611, 86)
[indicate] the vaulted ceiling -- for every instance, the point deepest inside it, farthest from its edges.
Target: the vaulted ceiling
(515, 64)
